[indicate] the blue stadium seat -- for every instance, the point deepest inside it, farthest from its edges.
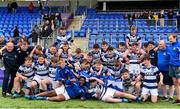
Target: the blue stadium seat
(98, 41)
(107, 39)
(76, 33)
(164, 37)
(149, 37)
(114, 44)
(82, 33)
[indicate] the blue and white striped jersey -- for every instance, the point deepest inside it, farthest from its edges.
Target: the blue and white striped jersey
(41, 69)
(75, 59)
(48, 54)
(107, 61)
(116, 72)
(133, 39)
(64, 54)
(134, 58)
(120, 54)
(96, 55)
(26, 71)
(103, 72)
(150, 77)
(103, 52)
(52, 71)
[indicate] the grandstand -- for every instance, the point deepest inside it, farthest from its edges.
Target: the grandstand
(22, 19)
(91, 22)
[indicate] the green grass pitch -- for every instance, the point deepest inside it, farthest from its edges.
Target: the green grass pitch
(24, 103)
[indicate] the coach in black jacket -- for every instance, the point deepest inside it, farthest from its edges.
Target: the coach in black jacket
(10, 64)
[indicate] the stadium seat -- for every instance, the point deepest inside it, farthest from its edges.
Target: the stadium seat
(76, 33)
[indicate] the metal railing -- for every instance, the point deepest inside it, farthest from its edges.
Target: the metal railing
(46, 42)
(125, 12)
(116, 24)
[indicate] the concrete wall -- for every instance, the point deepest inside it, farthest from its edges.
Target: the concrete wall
(89, 3)
(72, 4)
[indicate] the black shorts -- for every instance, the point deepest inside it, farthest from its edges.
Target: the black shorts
(167, 80)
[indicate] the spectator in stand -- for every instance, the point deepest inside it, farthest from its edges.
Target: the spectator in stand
(14, 6)
(9, 8)
(46, 31)
(178, 20)
(170, 17)
(34, 37)
(52, 20)
(161, 18)
(155, 16)
(145, 14)
(149, 18)
(37, 30)
(52, 16)
(16, 34)
(136, 15)
(133, 37)
(130, 19)
(40, 7)
(53, 25)
(174, 64)
(141, 15)
(163, 66)
(2, 41)
(2, 44)
(30, 7)
(46, 17)
(58, 20)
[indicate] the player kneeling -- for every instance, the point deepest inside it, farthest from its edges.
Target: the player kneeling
(149, 73)
(24, 76)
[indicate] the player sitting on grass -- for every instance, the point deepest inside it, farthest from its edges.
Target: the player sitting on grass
(24, 76)
(41, 73)
(52, 74)
(149, 73)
